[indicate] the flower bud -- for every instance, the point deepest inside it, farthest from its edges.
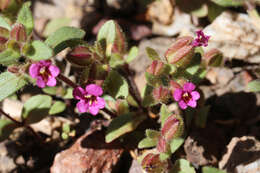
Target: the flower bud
(161, 94)
(173, 127)
(174, 85)
(213, 58)
(151, 163)
(156, 68)
(18, 33)
(80, 56)
(162, 146)
(4, 4)
(119, 46)
(181, 52)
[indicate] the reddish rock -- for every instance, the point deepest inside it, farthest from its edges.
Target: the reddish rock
(89, 154)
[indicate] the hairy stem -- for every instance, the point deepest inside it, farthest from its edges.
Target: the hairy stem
(67, 81)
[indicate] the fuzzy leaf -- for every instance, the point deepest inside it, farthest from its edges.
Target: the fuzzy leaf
(152, 133)
(152, 54)
(55, 24)
(176, 143)
(25, 17)
(39, 51)
(254, 86)
(229, 3)
(209, 169)
(116, 60)
(68, 94)
(148, 99)
(6, 128)
(57, 107)
(147, 143)
(182, 166)
(132, 54)
(9, 84)
(9, 56)
(116, 85)
(164, 114)
(50, 90)
(164, 156)
(4, 24)
(36, 108)
(123, 124)
(58, 39)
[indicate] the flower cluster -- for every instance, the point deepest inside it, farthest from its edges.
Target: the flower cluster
(201, 40)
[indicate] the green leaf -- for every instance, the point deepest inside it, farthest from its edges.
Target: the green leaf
(254, 86)
(64, 136)
(57, 107)
(50, 90)
(147, 143)
(25, 17)
(148, 99)
(116, 60)
(214, 11)
(152, 54)
(68, 94)
(164, 114)
(6, 128)
(4, 24)
(132, 54)
(39, 51)
(229, 3)
(55, 24)
(36, 108)
(176, 143)
(58, 39)
(9, 84)
(182, 166)
(9, 56)
(202, 11)
(116, 85)
(208, 169)
(66, 128)
(152, 133)
(164, 156)
(123, 124)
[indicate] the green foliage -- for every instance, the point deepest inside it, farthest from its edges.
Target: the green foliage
(182, 166)
(152, 54)
(132, 54)
(148, 99)
(55, 24)
(9, 56)
(152, 133)
(176, 143)
(116, 85)
(116, 60)
(4, 24)
(229, 3)
(25, 17)
(68, 94)
(164, 156)
(147, 143)
(6, 128)
(59, 39)
(123, 124)
(254, 86)
(164, 114)
(39, 51)
(214, 11)
(50, 90)
(9, 84)
(57, 107)
(208, 169)
(36, 108)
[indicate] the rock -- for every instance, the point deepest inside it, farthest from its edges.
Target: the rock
(13, 108)
(236, 36)
(242, 154)
(6, 161)
(89, 154)
(220, 76)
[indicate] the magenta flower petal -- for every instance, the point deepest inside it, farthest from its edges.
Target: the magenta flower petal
(55, 71)
(94, 109)
(177, 94)
(34, 70)
(192, 103)
(78, 93)
(189, 87)
(40, 82)
(94, 90)
(51, 81)
(100, 103)
(195, 95)
(182, 104)
(82, 106)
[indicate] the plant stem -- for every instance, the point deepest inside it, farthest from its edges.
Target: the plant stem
(112, 114)
(67, 81)
(11, 118)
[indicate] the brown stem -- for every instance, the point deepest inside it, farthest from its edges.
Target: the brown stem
(11, 118)
(67, 81)
(112, 114)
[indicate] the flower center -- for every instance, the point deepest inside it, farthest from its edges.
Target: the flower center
(186, 97)
(44, 72)
(91, 99)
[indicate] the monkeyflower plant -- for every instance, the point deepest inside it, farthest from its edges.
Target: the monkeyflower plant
(101, 85)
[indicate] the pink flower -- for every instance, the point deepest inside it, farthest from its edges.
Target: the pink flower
(89, 100)
(44, 72)
(201, 40)
(186, 96)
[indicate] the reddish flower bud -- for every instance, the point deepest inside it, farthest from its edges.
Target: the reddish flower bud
(161, 94)
(151, 163)
(13, 69)
(80, 56)
(170, 127)
(181, 52)
(4, 4)
(162, 146)
(120, 44)
(18, 33)
(174, 85)
(213, 58)
(156, 68)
